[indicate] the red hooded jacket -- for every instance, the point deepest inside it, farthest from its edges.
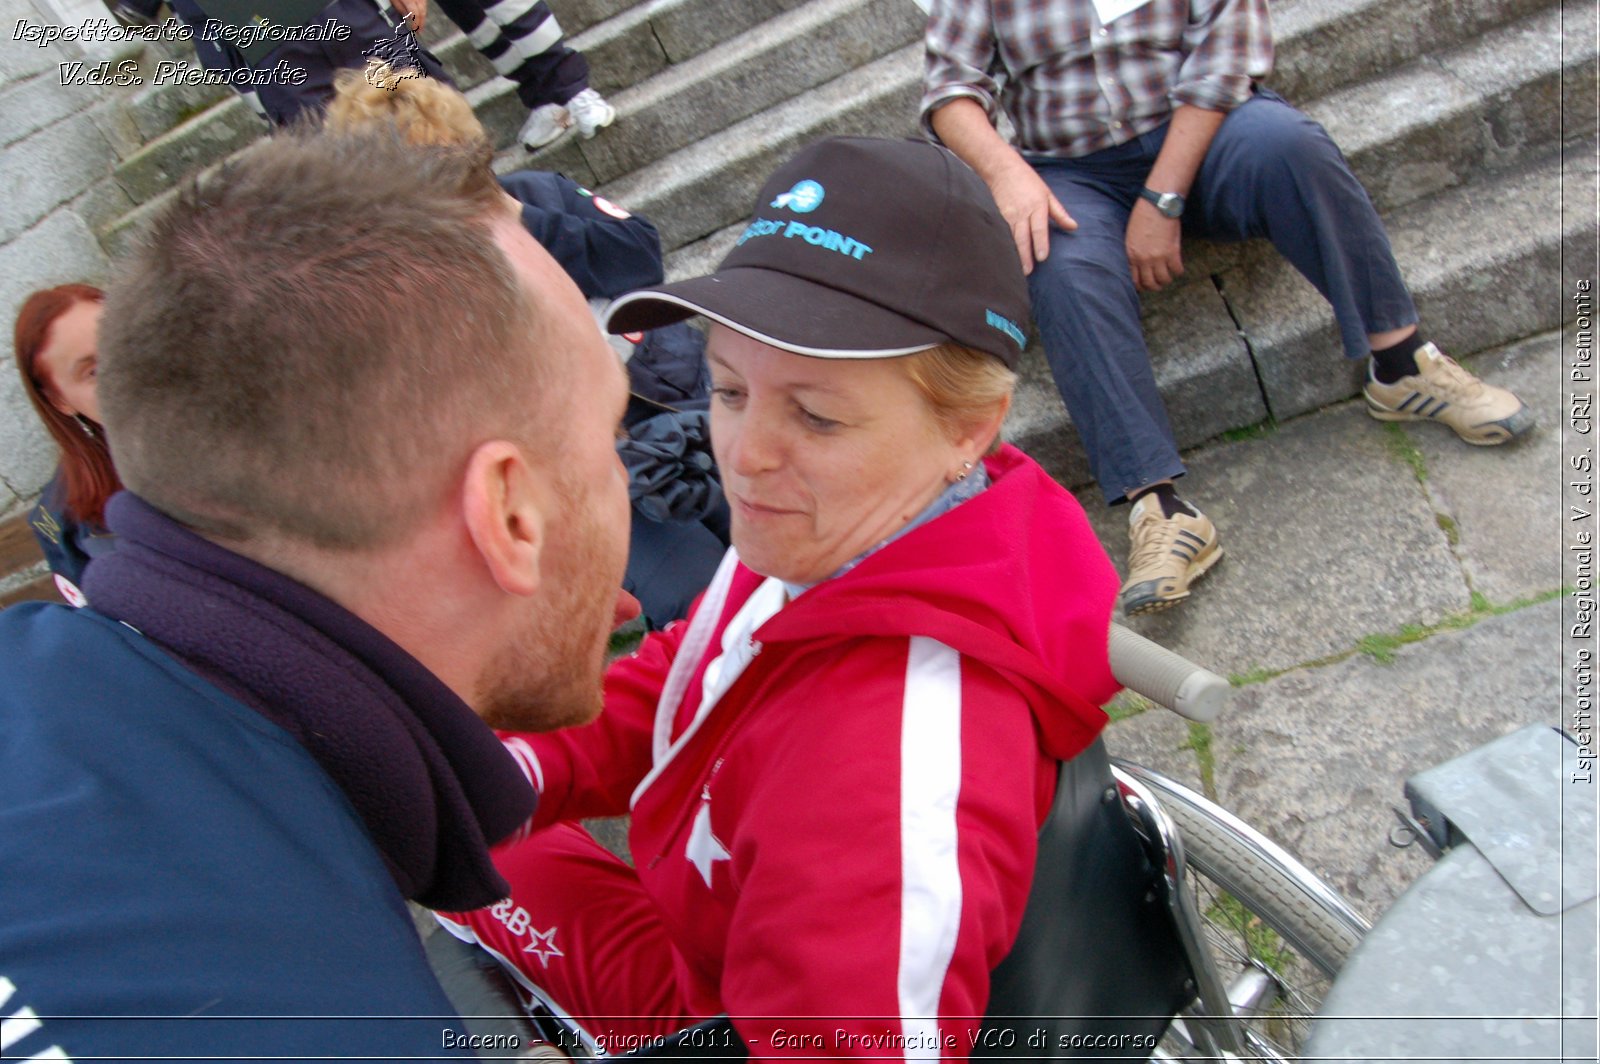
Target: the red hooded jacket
(841, 844)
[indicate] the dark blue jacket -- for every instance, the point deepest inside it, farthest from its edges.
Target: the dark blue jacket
(217, 787)
(604, 249)
(169, 852)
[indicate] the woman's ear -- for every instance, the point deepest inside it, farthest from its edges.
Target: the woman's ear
(505, 503)
(979, 435)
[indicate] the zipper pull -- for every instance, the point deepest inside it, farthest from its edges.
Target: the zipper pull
(705, 791)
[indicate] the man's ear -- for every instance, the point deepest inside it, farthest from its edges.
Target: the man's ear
(504, 502)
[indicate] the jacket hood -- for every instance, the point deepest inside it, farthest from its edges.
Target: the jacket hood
(1013, 577)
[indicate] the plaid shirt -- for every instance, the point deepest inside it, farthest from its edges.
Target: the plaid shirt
(1072, 85)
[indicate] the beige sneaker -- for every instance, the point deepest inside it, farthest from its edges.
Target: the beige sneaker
(1441, 390)
(1166, 555)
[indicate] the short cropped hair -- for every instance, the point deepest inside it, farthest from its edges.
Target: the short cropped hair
(423, 109)
(308, 343)
(961, 385)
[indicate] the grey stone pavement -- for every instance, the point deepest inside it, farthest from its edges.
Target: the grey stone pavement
(1390, 598)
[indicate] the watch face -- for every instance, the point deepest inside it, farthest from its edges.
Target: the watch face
(1169, 204)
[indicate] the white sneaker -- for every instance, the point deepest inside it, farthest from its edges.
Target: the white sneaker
(591, 112)
(544, 124)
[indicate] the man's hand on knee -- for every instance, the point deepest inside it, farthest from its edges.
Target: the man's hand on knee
(1025, 201)
(1029, 208)
(1155, 248)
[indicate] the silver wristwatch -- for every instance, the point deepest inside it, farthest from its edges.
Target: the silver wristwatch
(1169, 204)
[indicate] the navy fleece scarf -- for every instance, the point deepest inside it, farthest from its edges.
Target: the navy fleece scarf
(432, 783)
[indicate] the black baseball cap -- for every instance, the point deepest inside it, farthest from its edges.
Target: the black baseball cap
(860, 248)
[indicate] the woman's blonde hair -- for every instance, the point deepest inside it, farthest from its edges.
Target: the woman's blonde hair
(424, 111)
(964, 387)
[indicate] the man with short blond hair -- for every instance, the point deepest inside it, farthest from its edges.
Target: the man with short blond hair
(366, 424)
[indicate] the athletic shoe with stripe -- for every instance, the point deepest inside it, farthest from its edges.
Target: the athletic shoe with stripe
(1165, 555)
(1441, 390)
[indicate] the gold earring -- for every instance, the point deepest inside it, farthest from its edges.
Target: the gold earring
(966, 467)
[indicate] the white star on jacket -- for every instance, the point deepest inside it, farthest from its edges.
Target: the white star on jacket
(704, 850)
(543, 946)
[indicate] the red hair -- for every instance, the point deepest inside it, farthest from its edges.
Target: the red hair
(85, 460)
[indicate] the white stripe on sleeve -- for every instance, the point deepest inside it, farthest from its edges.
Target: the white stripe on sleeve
(930, 783)
(526, 760)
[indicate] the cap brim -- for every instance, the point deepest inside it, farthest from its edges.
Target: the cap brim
(788, 312)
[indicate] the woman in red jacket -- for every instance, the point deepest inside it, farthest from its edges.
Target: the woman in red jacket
(836, 769)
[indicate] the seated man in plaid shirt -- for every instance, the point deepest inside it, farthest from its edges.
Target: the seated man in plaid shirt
(1137, 121)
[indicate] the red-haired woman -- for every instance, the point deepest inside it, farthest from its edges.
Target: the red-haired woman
(56, 344)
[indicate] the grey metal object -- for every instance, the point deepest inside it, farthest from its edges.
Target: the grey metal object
(1491, 954)
(1511, 798)
(1460, 969)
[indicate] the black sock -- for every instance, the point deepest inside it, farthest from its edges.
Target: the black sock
(1167, 495)
(1398, 360)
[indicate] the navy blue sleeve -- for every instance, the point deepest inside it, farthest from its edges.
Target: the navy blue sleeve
(181, 879)
(606, 250)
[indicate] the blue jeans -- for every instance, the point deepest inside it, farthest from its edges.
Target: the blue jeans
(1270, 172)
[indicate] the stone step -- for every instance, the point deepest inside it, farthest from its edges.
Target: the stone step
(158, 109)
(700, 257)
(677, 79)
(40, 588)
(676, 108)
(707, 186)
(783, 59)
(195, 143)
(624, 49)
(1432, 124)
(1481, 261)
(190, 127)
(23, 575)
(1325, 45)
(1441, 120)
(576, 16)
(637, 43)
